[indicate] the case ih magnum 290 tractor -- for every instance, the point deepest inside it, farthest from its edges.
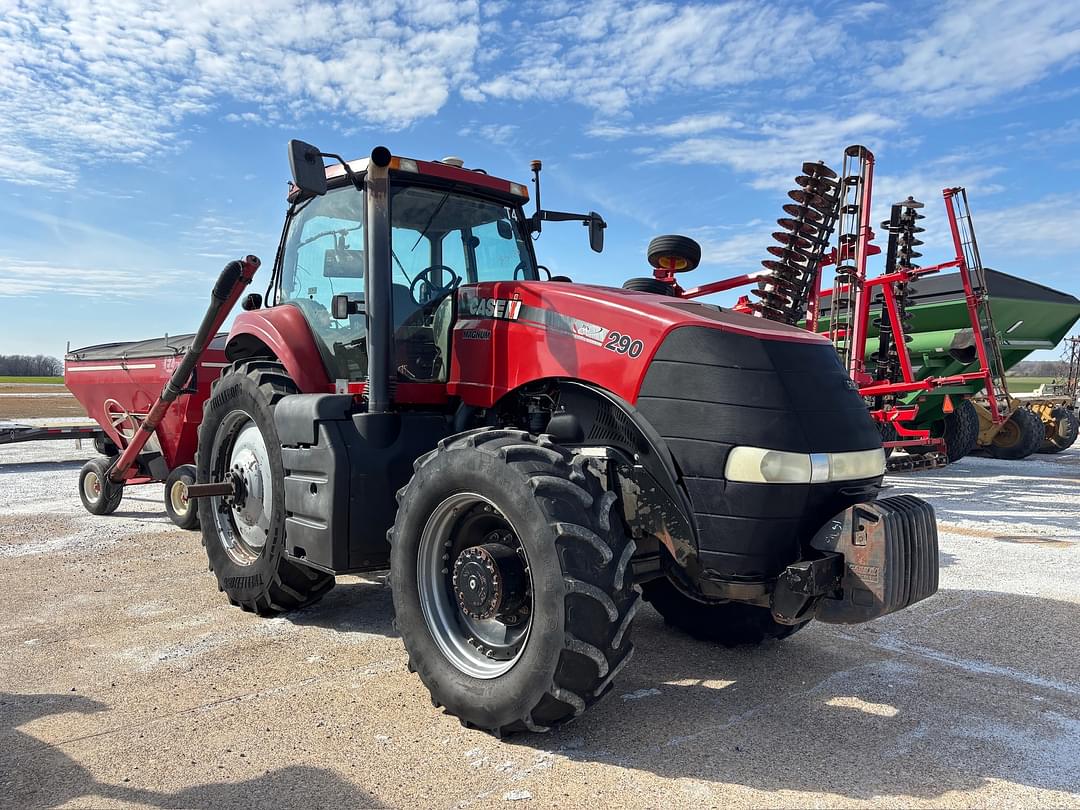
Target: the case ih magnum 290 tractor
(530, 456)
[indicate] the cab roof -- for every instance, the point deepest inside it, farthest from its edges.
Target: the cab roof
(436, 170)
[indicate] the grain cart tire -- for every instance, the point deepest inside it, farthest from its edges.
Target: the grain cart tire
(888, 434)
(730, 624)
(245, 537)
(1061, 432)
(181, 511)
(511, 577)
(961, 430)
(98, 494)
(1020, 436)
(649, 285)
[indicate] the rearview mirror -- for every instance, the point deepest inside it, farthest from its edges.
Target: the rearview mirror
(343, 263)
(596, 231)
(308, 172)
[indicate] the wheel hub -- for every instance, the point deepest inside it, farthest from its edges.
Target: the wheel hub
(489, 581)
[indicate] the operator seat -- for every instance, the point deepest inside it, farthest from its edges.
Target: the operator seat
(403, 304)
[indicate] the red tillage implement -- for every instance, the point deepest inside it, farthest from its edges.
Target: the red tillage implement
(148, 398)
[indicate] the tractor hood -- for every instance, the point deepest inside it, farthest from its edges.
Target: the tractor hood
(510, 333)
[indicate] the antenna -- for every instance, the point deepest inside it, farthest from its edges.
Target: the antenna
(535, 166)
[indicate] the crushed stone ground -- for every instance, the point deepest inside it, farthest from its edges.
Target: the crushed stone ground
(126, 680)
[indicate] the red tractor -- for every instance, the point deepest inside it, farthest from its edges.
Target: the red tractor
(530, 456)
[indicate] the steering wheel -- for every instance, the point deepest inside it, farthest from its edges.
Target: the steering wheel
(522, 266)
(425, 291)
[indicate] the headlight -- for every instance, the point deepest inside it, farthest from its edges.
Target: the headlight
(756, 465)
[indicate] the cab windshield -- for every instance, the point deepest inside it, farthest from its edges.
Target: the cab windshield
(440, 240)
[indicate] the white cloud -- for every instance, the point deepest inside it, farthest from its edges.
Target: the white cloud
(977, 50)
(772, 149)
(115, 79)
(497, 134)
(20, 278)
(611, 55)
(1045, 227)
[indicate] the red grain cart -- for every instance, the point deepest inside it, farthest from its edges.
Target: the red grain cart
(118, 384)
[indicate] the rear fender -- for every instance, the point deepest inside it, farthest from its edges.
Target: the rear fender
(283, 333)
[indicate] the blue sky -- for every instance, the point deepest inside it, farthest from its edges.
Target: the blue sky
(144, 142)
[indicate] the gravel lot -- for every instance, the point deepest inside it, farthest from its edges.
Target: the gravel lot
(126, 680)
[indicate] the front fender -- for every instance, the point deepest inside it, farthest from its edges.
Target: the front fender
(282, 332)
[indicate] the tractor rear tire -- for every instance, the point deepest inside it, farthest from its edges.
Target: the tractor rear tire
(649, 285)
(245, 544)
(1062, 432)
(577, 593)
(98, 494)
(181, 511)
(1018, 438)
(731, 624)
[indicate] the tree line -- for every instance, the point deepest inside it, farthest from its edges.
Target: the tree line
(27, 365)
(1040, 368)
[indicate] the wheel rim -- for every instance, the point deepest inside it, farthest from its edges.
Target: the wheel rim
(178, 498)
(1008, 435)
(471, 563)
(92, 486)
(243, 521)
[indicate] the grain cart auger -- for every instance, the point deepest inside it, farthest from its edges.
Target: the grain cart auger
(103, 479)
(531, 457)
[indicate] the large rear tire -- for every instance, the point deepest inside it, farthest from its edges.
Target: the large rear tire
(1019, 437)
(245, 538)
(500, 656)
(1062, 430)
(731, 624)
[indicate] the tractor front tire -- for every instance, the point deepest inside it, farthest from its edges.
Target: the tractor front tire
(245, 537)
(1019, 437)
(556, 640)
(98, 494)
(1061, 432)
(181, 511)
(731, 624)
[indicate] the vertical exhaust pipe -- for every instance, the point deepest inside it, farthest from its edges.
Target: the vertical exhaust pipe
(377, 282)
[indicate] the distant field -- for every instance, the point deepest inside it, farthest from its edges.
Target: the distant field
(32, 380)
(1025, 385)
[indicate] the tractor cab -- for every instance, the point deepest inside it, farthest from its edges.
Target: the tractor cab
(426, 228)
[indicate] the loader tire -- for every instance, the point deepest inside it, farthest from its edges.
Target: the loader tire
(1061, 433)
(731, 624)
(1019, 437)
(558, 638)
(245, 542)
(98, 494)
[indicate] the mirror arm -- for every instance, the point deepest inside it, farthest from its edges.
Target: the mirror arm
(345, 165)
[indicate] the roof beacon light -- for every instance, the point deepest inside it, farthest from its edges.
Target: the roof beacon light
(450, 160)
